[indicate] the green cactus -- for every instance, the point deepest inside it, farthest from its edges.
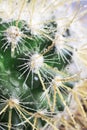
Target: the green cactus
(38, 50)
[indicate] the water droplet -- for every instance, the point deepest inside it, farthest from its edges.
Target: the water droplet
(45, 50)
(18, 90)
(25, 87)
(36, 78)
(85, 6)
(43, 79)
(19, 77)
(5, 91)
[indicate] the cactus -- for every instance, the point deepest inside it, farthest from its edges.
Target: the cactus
(43, 63)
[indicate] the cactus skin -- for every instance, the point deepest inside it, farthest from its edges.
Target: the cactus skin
(43, 63)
